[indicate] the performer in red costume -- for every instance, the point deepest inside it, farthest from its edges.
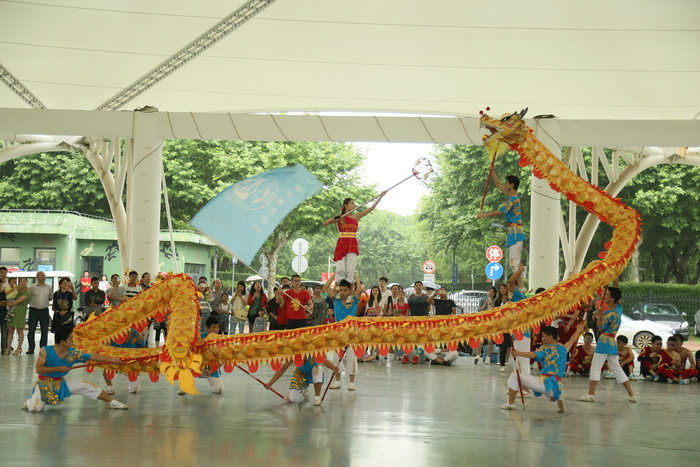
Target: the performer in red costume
(346, 250)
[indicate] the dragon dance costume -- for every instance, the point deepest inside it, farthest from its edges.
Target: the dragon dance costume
(304, 376)
(52, 389)
(606, 347)
(553, 360)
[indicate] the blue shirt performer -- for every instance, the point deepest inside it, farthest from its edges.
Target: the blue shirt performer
(304, 376)
(511, 210)
(344, 305)
(54, 363)
(134, 341)
(552, 355)
(606, 347)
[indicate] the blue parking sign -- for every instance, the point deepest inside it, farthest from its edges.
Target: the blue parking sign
(494, 271)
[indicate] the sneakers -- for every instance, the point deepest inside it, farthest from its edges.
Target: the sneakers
(683, 381)
(335, 385)
(487, 360)
(134, 390)
(24, 406)
(649, 378)
(508, 407)
(476, 361)
(415, 360)
(586, 398)
(109, 390)
(560, 406)
(693, 379)
(632, 399)
(351, 386)
(317, 400)
(633, 377)
(503, 369)
(116, 405)
(567, 374)
(656, 378)
(404, 360)
(609, 375)
(669, 380)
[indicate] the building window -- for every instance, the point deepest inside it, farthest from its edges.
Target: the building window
(45, 259)
(9, 257)
(94, 265)
(194, 269)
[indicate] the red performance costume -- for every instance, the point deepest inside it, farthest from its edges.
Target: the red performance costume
(646, 360)
(347, 242)
(581, 360)
(670, 371)
(564, 335)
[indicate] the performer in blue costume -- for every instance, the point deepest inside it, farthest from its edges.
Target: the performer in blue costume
(344, 305)
(134, 341)
(511, 210)
(214, 377)
(608, 322)
(53, 364)
(309, 373)
(552, 355)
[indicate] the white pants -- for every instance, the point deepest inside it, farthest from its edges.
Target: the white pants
(514, 254)
(523, 346)
(345, 268)
(450, 357)
(297, 395)
(613, 366)
(530, 382)
(133, 387)
(217, 384)
(82, 388)
(350, 358)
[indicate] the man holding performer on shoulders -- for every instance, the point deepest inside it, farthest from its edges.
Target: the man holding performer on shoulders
(54, 363)
(552, 356)
(342, 310)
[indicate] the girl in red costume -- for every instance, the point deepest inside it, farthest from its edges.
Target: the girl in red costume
(346, 250)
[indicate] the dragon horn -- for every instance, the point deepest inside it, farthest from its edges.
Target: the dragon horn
(523, 112)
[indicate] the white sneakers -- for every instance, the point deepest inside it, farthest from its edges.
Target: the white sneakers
(317, 400)
(586, 398)
(335, 385)
(116, 405)
(109, 390)
(487, 361)
(507, 406)
(351, 386)
(503, 369)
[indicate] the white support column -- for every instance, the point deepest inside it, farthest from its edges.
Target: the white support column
(143, 197)
(545, 217)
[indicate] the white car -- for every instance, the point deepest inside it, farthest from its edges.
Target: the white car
(640, 332)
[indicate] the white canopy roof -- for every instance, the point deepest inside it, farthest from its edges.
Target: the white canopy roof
(622, 60)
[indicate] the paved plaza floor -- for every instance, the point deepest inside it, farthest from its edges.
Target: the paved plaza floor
(399, 415)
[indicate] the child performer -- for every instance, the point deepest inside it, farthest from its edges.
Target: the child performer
(134, 341)
(53, 364)
(552, 355)
(214, 377)
(309, 373)
(346, 250)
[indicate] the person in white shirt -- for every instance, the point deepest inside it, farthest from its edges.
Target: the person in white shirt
(39, 312)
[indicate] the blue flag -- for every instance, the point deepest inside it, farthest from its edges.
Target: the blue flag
(243, 216)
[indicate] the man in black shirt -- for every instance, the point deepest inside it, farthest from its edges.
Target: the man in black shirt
(418, 302)
(94, 298)
(443, 305)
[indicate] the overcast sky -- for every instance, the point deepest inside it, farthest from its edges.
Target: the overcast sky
(388, 164)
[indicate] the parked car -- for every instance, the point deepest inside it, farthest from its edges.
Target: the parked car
(468, 301)
(663, 313)
(640, 332)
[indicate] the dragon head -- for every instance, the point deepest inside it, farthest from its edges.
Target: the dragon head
(508, 129)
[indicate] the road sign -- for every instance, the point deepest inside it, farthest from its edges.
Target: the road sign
(428, 277)
(235, 260)
(263, 260)
(264, 271)
(324, 277)
(454, 275)
(494, 271)
(494, 253)
(429, 267)
(300, 264)
(300, 246)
